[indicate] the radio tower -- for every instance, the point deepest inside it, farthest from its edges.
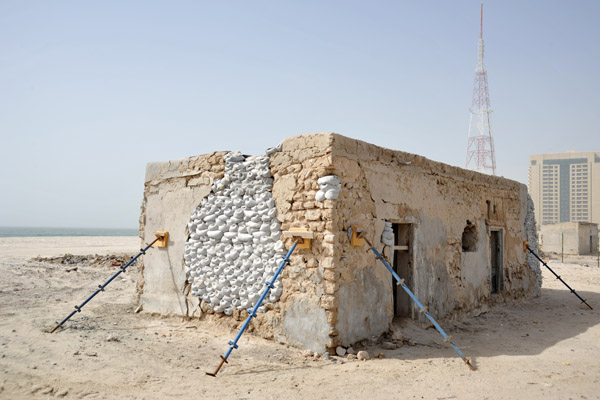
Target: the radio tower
(480, 147)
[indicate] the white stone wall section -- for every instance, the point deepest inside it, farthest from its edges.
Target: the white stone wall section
(329, 188)
(387, 236)
(234, 245)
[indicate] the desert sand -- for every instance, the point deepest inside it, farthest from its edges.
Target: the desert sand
(547, 347)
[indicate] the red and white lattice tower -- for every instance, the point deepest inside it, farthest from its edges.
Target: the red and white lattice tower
(480, 147)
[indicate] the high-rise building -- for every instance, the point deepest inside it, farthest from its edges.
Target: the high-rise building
(565, 187)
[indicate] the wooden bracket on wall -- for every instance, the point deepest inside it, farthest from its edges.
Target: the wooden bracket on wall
(356, 238)
(300, 234)
(163, 238)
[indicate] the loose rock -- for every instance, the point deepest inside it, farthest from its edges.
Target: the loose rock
(363, 355)
(389, 346)
(340, 351)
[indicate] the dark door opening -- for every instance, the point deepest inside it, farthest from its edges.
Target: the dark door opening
(496, 261)
(402, 263)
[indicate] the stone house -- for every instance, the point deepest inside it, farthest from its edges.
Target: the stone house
(455, 236)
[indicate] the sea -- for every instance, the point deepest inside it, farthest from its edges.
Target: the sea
(38, 232)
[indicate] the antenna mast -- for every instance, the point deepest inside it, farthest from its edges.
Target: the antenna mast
(481, 22)
(480, 145)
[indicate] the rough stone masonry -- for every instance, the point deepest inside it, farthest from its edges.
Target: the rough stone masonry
(455, 235)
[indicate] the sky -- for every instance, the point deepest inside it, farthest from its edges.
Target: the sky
(91, 91)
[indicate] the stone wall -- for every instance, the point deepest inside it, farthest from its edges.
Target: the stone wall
(174, 194)
(588, 238)
(172, 191)
(333, 293)
(380, 185)
(234, 245)
(307, 303)
(569, 238)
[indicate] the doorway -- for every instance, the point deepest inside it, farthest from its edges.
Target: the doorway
(496, 261)
(402, 264)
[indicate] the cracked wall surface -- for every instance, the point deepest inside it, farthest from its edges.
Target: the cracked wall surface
(438, 201)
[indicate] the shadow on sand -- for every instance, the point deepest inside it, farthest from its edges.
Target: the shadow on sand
(524, 328)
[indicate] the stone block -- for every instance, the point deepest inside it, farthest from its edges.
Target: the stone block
(308, 205)
(313, 215)
(331, 317)
(327, 263)
(312, 263)
(331, 275)
(328, 302)
(330, 287)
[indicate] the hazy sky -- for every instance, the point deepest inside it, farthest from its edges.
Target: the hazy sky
(91, 91)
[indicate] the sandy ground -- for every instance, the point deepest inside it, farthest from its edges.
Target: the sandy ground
(25, 248)
(548, 347)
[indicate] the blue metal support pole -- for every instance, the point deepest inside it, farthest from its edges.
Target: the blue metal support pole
(558, 277)
(101, 287)
(423, 309)
(252, 313)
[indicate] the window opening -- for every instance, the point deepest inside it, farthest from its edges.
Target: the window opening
(469, 238)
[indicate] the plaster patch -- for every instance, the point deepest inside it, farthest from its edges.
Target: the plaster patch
(362, 310)
(305, 323)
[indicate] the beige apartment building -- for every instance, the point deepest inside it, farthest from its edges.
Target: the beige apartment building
(565, 187)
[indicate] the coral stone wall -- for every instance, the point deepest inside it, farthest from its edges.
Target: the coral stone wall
(225, 238)
(380, 185)
(309, 282)
(204, 271)
(234, 245)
